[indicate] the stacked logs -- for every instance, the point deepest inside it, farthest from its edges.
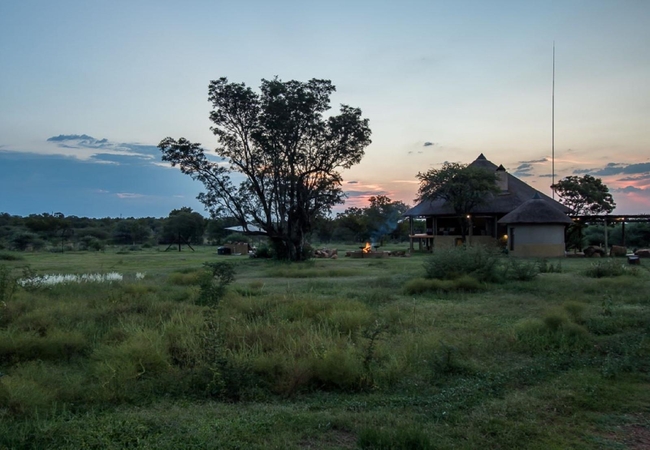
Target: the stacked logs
(326, 253)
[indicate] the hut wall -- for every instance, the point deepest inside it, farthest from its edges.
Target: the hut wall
(537, 240)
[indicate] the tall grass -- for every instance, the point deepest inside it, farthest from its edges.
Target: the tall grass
(479, 262)
(347, 351)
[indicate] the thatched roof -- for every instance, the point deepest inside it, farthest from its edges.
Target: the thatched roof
(518, 192)
(536, 211)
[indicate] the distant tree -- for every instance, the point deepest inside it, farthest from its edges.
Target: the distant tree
(383, 216)
(463, 187)
(216, 228)
(131, 231)
(351, 224)
(22, 239)
(323, 228)
(287, 153)
(49, 225)
(184, 224)
(584, 195)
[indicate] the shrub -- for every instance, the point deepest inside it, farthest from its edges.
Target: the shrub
(546, 267)
(143, 355)
(23, 397)
(8, 284)
(609, 268)
(10, 257)
(338, 369)
(554, 332)
(214, 281)
(57, 345)
(522, 270)
(264, 251)
(575, 310)
(448, 264)
(185, 279)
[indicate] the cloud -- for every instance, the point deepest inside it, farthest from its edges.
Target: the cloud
(534, 161)
(523, 170)
(352, 182)
(628, 189)
(406, 181)
(128, 195)
(616, 169)
(164, 164)
(429, 144)
(86, 148)
(645, 176)
(546, 175)
(365, 193)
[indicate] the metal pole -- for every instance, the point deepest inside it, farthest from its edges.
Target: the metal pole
(553, 127)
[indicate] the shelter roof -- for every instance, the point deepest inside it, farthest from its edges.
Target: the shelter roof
(502, 203)
(536, 211)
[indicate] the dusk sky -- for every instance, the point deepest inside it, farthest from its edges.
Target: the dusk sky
(89, 88)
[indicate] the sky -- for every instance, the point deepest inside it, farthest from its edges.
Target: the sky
(88, 89)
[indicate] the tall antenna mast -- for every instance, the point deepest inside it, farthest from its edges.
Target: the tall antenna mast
(553, 128)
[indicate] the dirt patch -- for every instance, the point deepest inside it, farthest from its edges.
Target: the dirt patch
(637, 437)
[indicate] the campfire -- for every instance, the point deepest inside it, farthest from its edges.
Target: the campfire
(368, 251)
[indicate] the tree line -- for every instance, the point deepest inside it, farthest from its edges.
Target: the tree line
(379, 222)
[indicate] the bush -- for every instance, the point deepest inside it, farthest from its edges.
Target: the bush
(8, 284)
(10, 257)
(213, 282)
(522, 270)
(479, 262)
(609, 268)
(553, 332)
(264, 251)
(546, 267)
(575, 310)
(185, 278)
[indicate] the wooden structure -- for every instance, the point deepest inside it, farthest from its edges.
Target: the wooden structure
(442, 223)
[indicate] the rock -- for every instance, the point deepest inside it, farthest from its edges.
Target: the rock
(334, 257)
(617, 250)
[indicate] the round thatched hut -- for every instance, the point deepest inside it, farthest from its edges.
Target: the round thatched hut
(536, 228)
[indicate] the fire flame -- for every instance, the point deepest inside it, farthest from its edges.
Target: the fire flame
(367, 248)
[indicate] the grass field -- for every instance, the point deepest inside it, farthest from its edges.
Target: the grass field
(345, 353)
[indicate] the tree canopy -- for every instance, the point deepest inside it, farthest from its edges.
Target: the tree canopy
(463, 187)
(375, 222)
(183, 224)
(585, 195)
(277, 162)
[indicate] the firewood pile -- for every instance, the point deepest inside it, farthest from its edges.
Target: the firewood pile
(326, 253)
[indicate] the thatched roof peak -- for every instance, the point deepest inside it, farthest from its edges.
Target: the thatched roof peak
(515, 194)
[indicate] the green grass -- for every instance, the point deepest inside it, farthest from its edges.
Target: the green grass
(346, 353)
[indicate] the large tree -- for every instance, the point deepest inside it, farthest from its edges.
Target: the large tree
(461, 186)
(278, 156)
(585, 195)
(183, 225)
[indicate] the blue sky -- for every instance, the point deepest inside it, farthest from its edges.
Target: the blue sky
(466, 77)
